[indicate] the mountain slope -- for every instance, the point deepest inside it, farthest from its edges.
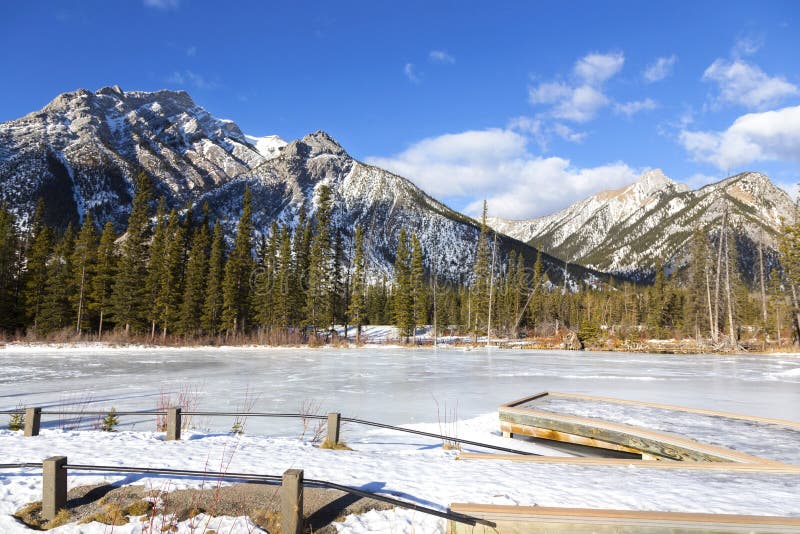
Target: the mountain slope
(628, 231)
(81, 152)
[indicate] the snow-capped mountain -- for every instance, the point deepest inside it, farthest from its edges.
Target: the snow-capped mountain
(628, 231)
(82, 151)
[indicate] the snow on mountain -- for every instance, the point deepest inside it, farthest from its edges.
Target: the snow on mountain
(268, 146)
(628, 231)
(82, 151)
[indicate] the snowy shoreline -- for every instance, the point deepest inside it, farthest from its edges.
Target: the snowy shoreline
(412, 468)
(104, 346)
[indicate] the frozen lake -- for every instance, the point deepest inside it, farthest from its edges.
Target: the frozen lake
(396, 386)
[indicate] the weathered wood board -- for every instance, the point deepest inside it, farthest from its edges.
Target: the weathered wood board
(522, 417)
(527, 519)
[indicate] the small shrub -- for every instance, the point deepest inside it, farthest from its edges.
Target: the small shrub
(110, 421)
(139, 508)
(16, 421)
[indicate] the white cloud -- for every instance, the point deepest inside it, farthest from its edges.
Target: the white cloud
(541, 131)
(747, 45)
(579, 101)
(440, 56)
(411, 73)
(660, 69)
(746, 84)
(190, 78)
(496, 164)
(582, 104)
(162, 4)
(768, 136)
(548, 92)
(635, 106)
(596, 68)
(568, 134)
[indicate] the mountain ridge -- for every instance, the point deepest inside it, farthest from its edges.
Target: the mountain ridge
(82, 150)
(629, 231)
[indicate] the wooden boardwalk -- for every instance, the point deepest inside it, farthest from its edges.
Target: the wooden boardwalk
(524, 418)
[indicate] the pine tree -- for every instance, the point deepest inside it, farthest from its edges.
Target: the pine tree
(266, 290)
(168, 299)
(83, 261)
(699, 290)
(480, 280)
(537, 297)
(777, 305)
(10, 264)
(236, 306)
(357, 308)
(156, 265)
(418, 287)
(339, 281)
(318, 308)
(211, 319)
(283, 283)
(195, 284)
(129, 302)
(56, 310)
(35, 276)
(403, 301)
(299, 281)
(105, 272)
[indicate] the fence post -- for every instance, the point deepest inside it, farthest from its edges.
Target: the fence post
(54, 486)
(334, 419)
(292, 502)
(173, 424)
(33, 419)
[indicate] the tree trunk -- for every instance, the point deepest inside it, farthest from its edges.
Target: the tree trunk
(711, 326)
(795, 315)
(715, 326)
(733, 341)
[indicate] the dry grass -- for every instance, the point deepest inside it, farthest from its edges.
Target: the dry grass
(112, 514)
(448, 426)
(341, 446)
(310, 409)
(74, 402)
(269, 520)
(187, 398)
(139, 508)
(31, 516)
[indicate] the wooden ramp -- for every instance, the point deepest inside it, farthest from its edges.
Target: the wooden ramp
(528, 519)
(535, 416)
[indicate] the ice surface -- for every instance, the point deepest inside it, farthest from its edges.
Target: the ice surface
(395, 386)
(764, 440)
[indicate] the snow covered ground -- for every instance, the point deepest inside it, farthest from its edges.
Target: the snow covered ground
(408, 467)
(395, 386)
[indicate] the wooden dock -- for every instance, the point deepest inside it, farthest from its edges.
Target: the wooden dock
(522, 417)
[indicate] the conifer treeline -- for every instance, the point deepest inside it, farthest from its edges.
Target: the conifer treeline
(171, 275)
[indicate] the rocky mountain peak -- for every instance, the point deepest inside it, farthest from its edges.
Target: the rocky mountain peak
(654, 181)
(321, 143)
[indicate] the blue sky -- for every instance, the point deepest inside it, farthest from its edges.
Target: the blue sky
(531, 105)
